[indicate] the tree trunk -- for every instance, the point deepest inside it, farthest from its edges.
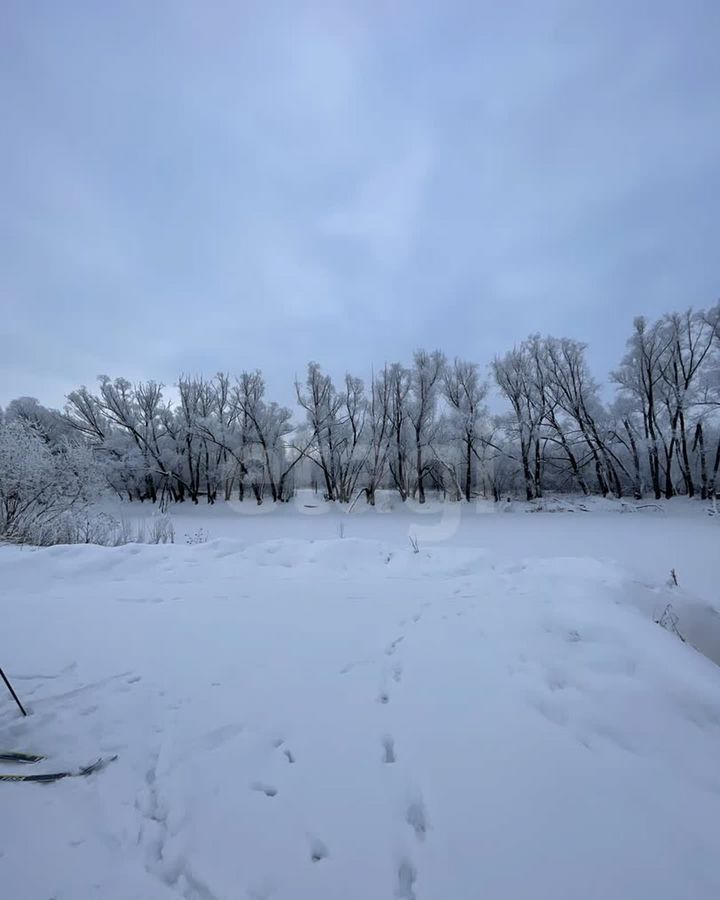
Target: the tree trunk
(538, 469)
(529, 487)
(399, 474)
(637, 482)
(712, 492)
(419, 462)
(685, 457)
(669, 453)
(468, 467)
(700, 443)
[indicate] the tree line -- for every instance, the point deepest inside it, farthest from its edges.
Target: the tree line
(416, 428)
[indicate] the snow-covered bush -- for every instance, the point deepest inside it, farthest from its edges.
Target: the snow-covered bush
(44, 487)
(78, 527)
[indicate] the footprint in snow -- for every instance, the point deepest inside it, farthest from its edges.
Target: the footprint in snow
(553, 711)
(318, 850)
(417, 819)
(278, 743)
(263, 788)
(220, 736)
(388, 745)
(392, 646)
(406, 877)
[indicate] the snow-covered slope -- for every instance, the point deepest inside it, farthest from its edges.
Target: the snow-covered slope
(348, 720)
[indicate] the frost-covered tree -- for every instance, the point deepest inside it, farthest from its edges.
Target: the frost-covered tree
(378, 432)
(640, 377)
(465, 394)
(417, 428)
(666, 382)
(264, 427)
(514, 377)
(400, 428)
(425, 380)
(572, 389)
(336, 424)
(691, 337)
(41, 484)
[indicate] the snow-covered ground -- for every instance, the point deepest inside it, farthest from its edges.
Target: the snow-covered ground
(300, 715)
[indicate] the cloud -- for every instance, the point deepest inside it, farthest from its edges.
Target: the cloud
(385, 209)
(246, 186)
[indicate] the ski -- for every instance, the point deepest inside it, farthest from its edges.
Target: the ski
(57, 776)
(12, 756)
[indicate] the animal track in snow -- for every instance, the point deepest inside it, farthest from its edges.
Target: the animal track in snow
(383, 697)
(397, 673)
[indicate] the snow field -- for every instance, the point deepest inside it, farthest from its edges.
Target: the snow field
(344, 719)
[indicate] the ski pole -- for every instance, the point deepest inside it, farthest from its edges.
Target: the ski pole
(15, 696)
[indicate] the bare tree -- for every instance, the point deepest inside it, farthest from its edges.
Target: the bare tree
(265, 425)
(465, 394)
(575, 392)
(640, 377)
(398, 459)
(690, 339)
(514, 377)
(336, 422)
(420, 427)
(424, 382)
(378, 433)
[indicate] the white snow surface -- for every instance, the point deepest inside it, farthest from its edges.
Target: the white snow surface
(340, 718)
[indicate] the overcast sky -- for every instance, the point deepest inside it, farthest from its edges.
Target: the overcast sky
(203, 186)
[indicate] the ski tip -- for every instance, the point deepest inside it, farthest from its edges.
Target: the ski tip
(17, 756)
(99, 763)
(51, 777)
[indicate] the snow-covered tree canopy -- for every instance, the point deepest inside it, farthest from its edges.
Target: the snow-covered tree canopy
(41, 481)
(424, 426)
